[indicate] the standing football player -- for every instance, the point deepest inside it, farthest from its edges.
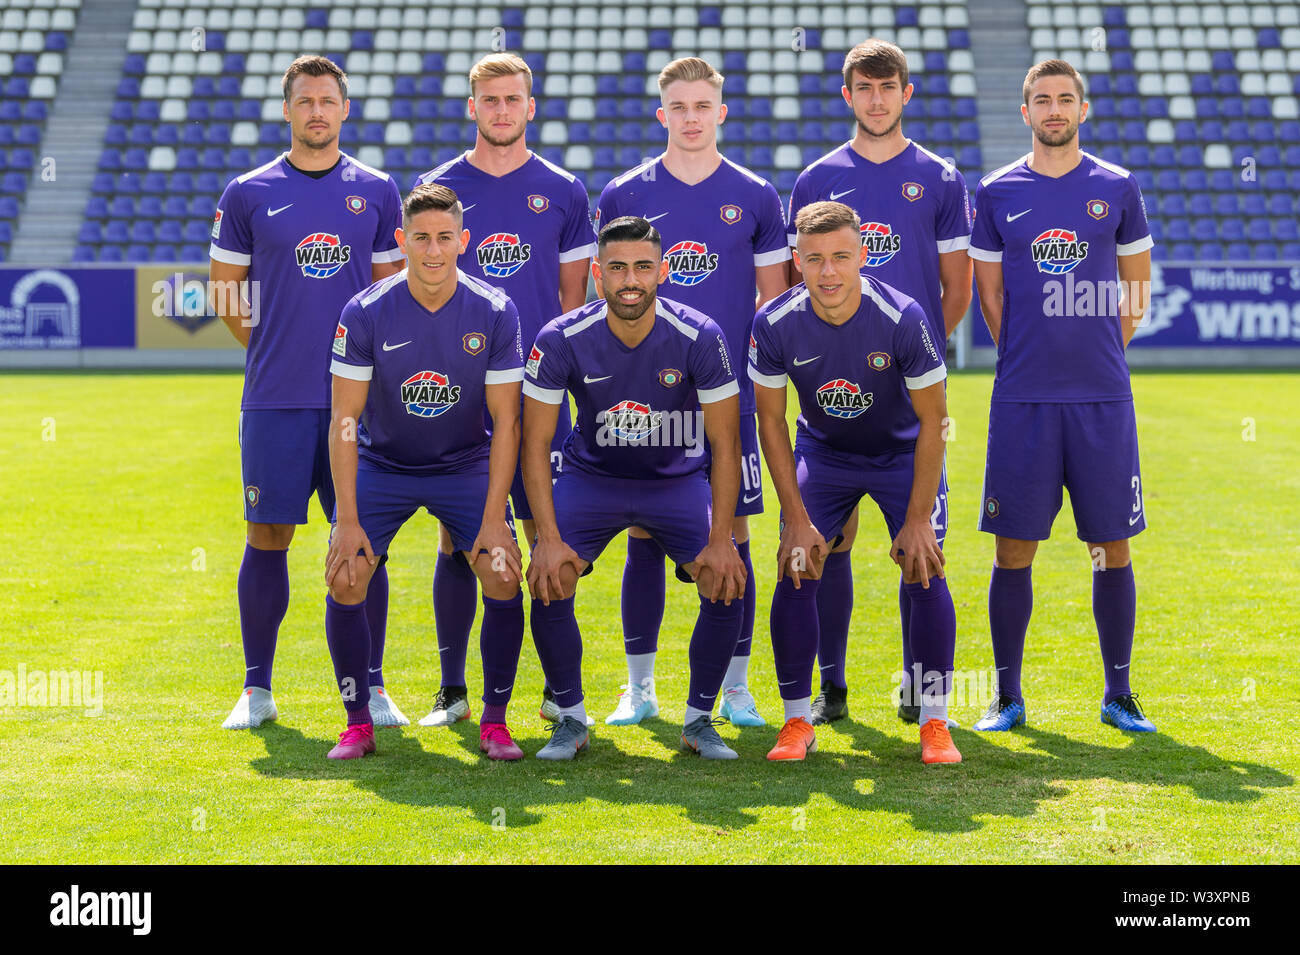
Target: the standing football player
(872, 406)
(416, 358)
(310, 229)
(646, 374)
(1052, 231)
(531, 237)
(916, 228)
(724, 242)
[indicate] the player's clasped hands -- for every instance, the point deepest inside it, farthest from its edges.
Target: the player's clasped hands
(916, 550)
(545, 563)
(347, 543)
(507, 559)
(727, 575)
(802, 552)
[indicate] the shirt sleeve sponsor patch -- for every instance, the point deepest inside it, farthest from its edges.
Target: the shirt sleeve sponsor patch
(216, 226)
(341, 340)
(534, 361)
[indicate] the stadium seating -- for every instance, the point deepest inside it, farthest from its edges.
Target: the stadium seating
(34, 36)
(185, 120)
(1200, 101)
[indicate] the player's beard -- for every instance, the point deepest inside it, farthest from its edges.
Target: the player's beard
(630, 313)
(1057, 139)
(499, 141)
(318, 140)
(887, 133)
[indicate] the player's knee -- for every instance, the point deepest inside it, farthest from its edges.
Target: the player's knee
(1015, 554)
(1109, 555)
(345, 592)
(270, 536)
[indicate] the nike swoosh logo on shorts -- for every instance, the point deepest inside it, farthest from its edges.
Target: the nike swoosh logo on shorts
(1134, 519)
(388, 347)
(1013, 218)
(272, 212)
(836, 195)
(798, 363)
(588, 380)
(751, 499)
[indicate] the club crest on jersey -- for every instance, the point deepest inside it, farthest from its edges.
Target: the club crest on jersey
(913, 191)
(321, 254)
(356, 204)
(427, 394)
(534, 359)
(501, 255)
(216, 225)
(1097, 208)
(882, 242)
(252, 494)
(474, 342)
(690, 262)
(878, 361)
(341, 340)
(730, 214)
(1058, 251)
(630, 420)
(538, 204)
(841, 398)
(669, 377)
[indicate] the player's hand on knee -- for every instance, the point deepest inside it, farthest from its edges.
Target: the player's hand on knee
(725, 577)
(347, 543)
(801, 554)
(506, 560)
(548, 559)
(916, 550)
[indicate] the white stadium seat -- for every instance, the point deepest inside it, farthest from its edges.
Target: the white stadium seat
(162, 159)
(1218, 156)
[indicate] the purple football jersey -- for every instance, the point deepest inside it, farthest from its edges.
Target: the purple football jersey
(913, 207)
(638, 408)
(309, 244)
(427, 372)
(522, 226)
(1058, 240)
(715, 234)
(852, 379)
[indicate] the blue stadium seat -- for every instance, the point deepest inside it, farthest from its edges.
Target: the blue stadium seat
(83, 253)
(1099, 85)
(194, 253)
(96, 208)
(150, 207)
(710, 17)
(169, 231)
(1202, 84)
(958, 40)
(660, 40)
(147, 110)
(1173, 204)
(905, 17)
(128, 88)
(1209, 252)
(1232, 107)
(1264, 252)
(115, 135)
(1237, 252)
(1259, 107)
(89, 232)
(138, 252)
(317, 19)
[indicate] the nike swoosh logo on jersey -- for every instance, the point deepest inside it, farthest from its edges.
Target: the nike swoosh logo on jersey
(653, 218)
(272, 212)
(588, 380)
(751, 499)
(836, 195)
(468, 207)
(798, 363)
(1013, 218)
(388, 347)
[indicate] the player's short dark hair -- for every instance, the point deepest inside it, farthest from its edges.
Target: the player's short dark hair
(1051, 68)
(629, 229)
(818, 218)
(313, 66)
(427, 197)
(876, 60)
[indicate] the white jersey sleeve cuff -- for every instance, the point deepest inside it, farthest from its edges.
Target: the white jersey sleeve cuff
(582, 252)
(390, 255)
(775, 257)
(767, 381)
(708, 396)
(1133, 248)
(548, 396)
(354, 372)
(503, 376)
(931, 377)
(954, 244)
(230, 258)
(983, 255)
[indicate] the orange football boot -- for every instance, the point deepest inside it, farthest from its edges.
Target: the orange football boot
(795, 741)
(936, 743)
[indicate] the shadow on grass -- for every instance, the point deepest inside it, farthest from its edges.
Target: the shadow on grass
(881, 772)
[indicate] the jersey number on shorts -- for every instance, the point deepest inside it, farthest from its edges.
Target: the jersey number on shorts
(750, 473)
(1136, 484)
(936, 516)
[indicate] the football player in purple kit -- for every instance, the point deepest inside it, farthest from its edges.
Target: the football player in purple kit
(530, 236)
(724, 240)
(870, 381)
(647, 375)
(915, 227)
(1053, 229)
(416, 358)
(310, 229)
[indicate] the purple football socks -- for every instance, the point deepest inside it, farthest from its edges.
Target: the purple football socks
(1011, 601)
(348, 638)
(455, 596)
(1114, 607)
(559, 648)
(644, 595)
(263, 588)
(793, 622)
(834, 610)
(377, 620)
(713, 643)
(500, 641)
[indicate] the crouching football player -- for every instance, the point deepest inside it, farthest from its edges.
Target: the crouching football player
(870, 383)
(416, 357)
(643, 371)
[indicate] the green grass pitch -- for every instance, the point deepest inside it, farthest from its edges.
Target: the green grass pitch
(124, 535)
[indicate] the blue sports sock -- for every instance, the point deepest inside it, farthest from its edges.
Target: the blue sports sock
(1114, 607)
(834, 610)
(455, 599)
(644, 595)
(559, 648)
(793, 623)
(1011, 602)
(377, 621)
(933, 637)
(263, 588)
(348, 638)
(500, 640)
(713, 643)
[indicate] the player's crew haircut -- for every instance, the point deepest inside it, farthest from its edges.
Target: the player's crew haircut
(688, 69)
(1051, 68)
(629, 229)
(819, 218)
(313, 66)
(430, 196)
(500, 64)
(876, 60)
